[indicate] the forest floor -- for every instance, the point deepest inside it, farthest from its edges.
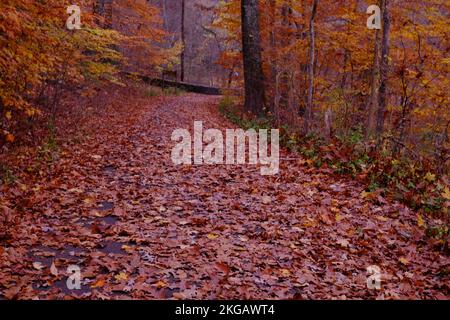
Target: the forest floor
(140, 227)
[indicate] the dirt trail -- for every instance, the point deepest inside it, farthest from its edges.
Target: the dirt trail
(140, 227)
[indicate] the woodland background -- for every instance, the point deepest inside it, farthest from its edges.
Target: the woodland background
(370, 104)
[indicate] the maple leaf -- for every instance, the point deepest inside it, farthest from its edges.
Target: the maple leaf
(446, 193)
(10, 138)
(122, 276)
(429, 177)
(160, 284)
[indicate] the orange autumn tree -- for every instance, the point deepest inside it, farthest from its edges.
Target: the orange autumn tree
(417, 102)
(40, 59)
(141, 26)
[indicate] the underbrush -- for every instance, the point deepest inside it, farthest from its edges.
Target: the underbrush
(400, 178)
(152, 91)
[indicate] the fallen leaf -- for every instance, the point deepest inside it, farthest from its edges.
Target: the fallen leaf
(121, 276)
(160, 284)
(343, 243)
(54, 270)
(223, 267)
(266, 200)
(38, 265)
(285, 273)
(446, 193)
(179, 296)
(429, 177)
(10, 138)
(99, 284)
(420, 221)
(404, 261)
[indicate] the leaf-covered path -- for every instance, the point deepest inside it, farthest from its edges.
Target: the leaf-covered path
(140, 227)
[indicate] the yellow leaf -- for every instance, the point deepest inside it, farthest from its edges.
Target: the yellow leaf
(212, 236)
(338, 217)
(127, 248)
(121, 276)
(430, 177)
(161, 284)
(285, 273)
(366, 194)
(446, 193)
(420, 221)
(30, 112)
(404, 261)
(88, 200)
(8, 115)
(309, 223)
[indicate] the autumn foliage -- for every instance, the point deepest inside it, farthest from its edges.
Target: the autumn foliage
(87, 122)
(41, 60)
(393, 145)
(417, 111)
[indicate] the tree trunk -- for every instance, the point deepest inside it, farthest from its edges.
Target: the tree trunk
(373, 102)
(103, 8)
(384, 69)
(251, 50)
(273, 53)
(183, 40)
(312, 59)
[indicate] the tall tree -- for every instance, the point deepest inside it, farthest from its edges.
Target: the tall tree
(384, 68)
(183, 39)
(251, 49)
(312, 60)
(374, 82)
(103, 8)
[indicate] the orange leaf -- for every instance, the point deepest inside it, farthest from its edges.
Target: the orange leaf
(10, 138)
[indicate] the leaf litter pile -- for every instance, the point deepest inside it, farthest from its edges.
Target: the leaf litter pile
(140, 227)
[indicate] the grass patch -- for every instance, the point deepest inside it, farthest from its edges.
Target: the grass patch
(151, 92)
(170, 91)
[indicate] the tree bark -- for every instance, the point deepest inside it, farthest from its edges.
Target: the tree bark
(252, 57)
(384, 69)
(183, 40)
(103, 8)
(312, 59)
(373, 102)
